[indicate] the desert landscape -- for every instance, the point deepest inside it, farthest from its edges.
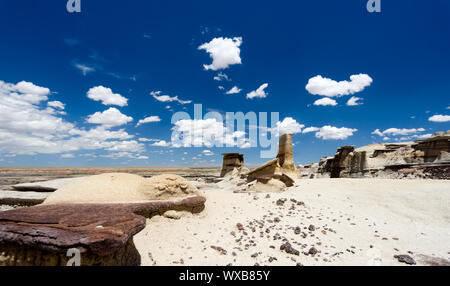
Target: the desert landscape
(383, 204)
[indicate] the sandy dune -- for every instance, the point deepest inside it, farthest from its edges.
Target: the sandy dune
(356, 221)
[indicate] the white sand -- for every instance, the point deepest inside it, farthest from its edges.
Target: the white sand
(361, 211)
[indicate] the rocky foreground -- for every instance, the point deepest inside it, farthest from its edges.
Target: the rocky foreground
(316, 222)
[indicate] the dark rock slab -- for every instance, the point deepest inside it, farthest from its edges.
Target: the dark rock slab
(102, 233)
(405, 259)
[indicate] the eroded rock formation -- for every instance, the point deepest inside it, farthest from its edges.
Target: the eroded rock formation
(96, 215)
(278, 173)
(429, 158)
(102, 233)
(119, 187)
(232, 162)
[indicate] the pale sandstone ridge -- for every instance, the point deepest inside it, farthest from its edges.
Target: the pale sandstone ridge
(121, 187)
(429, 158)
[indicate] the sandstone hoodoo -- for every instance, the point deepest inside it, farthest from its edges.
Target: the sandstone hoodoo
(232, 162)
(278, 173)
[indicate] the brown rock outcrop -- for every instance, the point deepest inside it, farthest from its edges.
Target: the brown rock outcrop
(231, 162)
(429, 158)
(102, 233)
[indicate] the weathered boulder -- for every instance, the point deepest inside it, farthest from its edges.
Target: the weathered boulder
(232, 164)
(118, 187)
(102, 233)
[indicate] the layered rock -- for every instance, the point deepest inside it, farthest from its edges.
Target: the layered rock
(102, 233)
(281, 169)
(429, 158)
(97, 216)
(232, 163)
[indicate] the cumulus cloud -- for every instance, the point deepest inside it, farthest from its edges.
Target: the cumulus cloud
(106, 96)
(109, 118)
(259, 93)
(439, 118)
(166, 98)
(26, 91)
(354, 101)
(161, 143)
(334, 133)
(325, 102)
(319, 85)
(205, 132)
(310, 129)
(56, 104)
(397, 131)
(223, 51)
(289, 126)
(149, 119)
(234, 90)
(26, 128)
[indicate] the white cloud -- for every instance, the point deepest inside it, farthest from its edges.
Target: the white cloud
(161, 143)
(289, 126)
(223, 51)
(26, 128)
(149, 119)
(26, 91)
(56, 104)
(222, 77)
(147, 140)
(166, 98)
(109, 118)
(205, 132)
(397, 131)
(334, 133)
(234, 90)
(85, 70)
(310, 129)
(319, 85)
(221, 87)
(106, 96)
(439, 118)
(259, 93)
(208, 153)
(354, 101)
(325, 102)
(67, 156)
(121, 155)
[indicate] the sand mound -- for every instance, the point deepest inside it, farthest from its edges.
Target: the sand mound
(119, 187)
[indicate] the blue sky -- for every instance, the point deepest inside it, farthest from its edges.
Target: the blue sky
(73, 86)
